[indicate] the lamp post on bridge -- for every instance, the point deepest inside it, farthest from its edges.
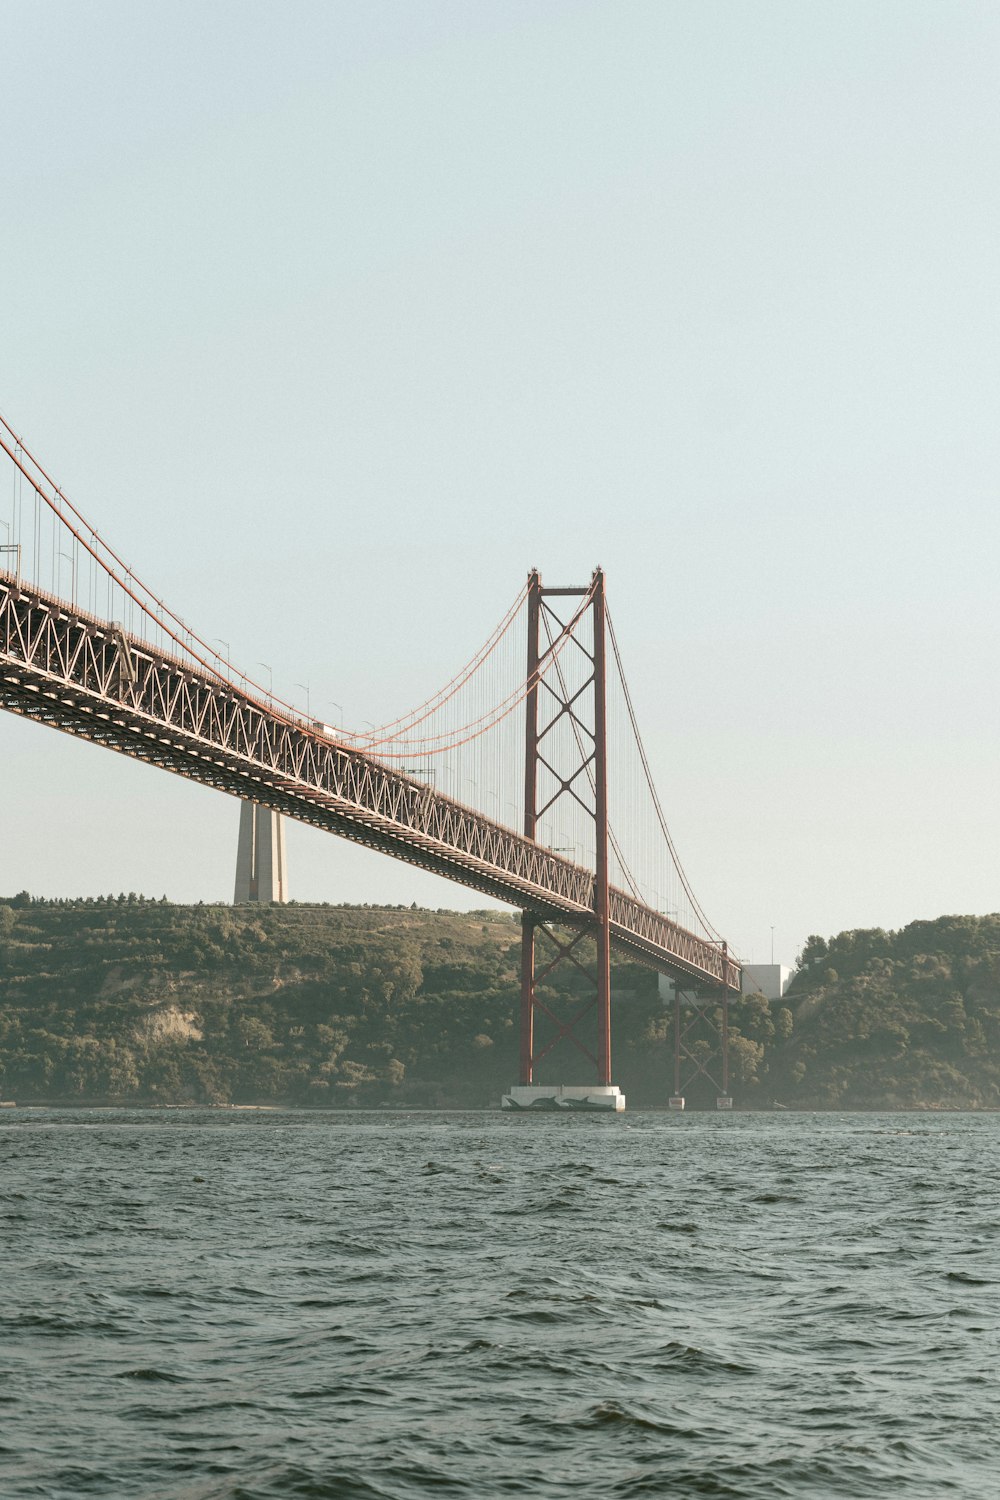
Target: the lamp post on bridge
(226, 658)
(14, 549)
(71, 559)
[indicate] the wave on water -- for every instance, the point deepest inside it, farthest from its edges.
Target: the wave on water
(199, 1308)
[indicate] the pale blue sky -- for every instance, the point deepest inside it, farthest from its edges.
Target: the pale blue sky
(336, 318)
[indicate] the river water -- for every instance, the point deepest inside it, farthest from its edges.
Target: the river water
(233, 1306)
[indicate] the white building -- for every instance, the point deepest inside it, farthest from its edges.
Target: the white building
(769, 980)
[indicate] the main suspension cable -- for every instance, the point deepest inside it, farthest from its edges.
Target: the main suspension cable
(440, 744)
(695, 904)
(444, 695)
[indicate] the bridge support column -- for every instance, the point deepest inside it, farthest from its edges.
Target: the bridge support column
(573, 758)
(261, 874)
(701, 1046)
(527, 1058)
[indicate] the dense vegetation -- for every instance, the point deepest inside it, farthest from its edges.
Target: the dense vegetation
(124, 1000)
(900, 1020)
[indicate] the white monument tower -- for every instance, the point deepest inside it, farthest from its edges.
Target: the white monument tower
(260, 859)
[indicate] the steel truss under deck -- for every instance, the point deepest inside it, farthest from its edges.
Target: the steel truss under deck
(77, 673)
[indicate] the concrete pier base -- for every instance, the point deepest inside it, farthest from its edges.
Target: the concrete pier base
(724, 1101)
(583, 1098)
(677, 1102)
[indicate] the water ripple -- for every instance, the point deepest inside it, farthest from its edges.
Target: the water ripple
(209, 1306)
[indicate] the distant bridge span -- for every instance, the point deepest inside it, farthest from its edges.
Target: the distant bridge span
(78, 673)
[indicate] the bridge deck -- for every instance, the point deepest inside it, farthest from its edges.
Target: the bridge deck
(86, 677)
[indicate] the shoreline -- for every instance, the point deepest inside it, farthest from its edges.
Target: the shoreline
(485, 1109)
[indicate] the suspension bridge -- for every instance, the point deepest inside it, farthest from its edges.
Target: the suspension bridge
(524, 777)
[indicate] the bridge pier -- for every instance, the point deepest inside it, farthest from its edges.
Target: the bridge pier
(570, 757)
(573, 1098)
(261, 874)
(701, 1042)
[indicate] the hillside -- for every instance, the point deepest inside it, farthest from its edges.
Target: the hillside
(128, 1000)
(907, 1019)
(124, 1000)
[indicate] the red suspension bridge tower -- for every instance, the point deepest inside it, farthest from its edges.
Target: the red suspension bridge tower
(566, 756)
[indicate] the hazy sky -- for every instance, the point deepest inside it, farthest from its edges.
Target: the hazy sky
(338, 317)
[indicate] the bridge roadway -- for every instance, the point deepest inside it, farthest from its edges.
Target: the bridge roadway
(75, 672)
